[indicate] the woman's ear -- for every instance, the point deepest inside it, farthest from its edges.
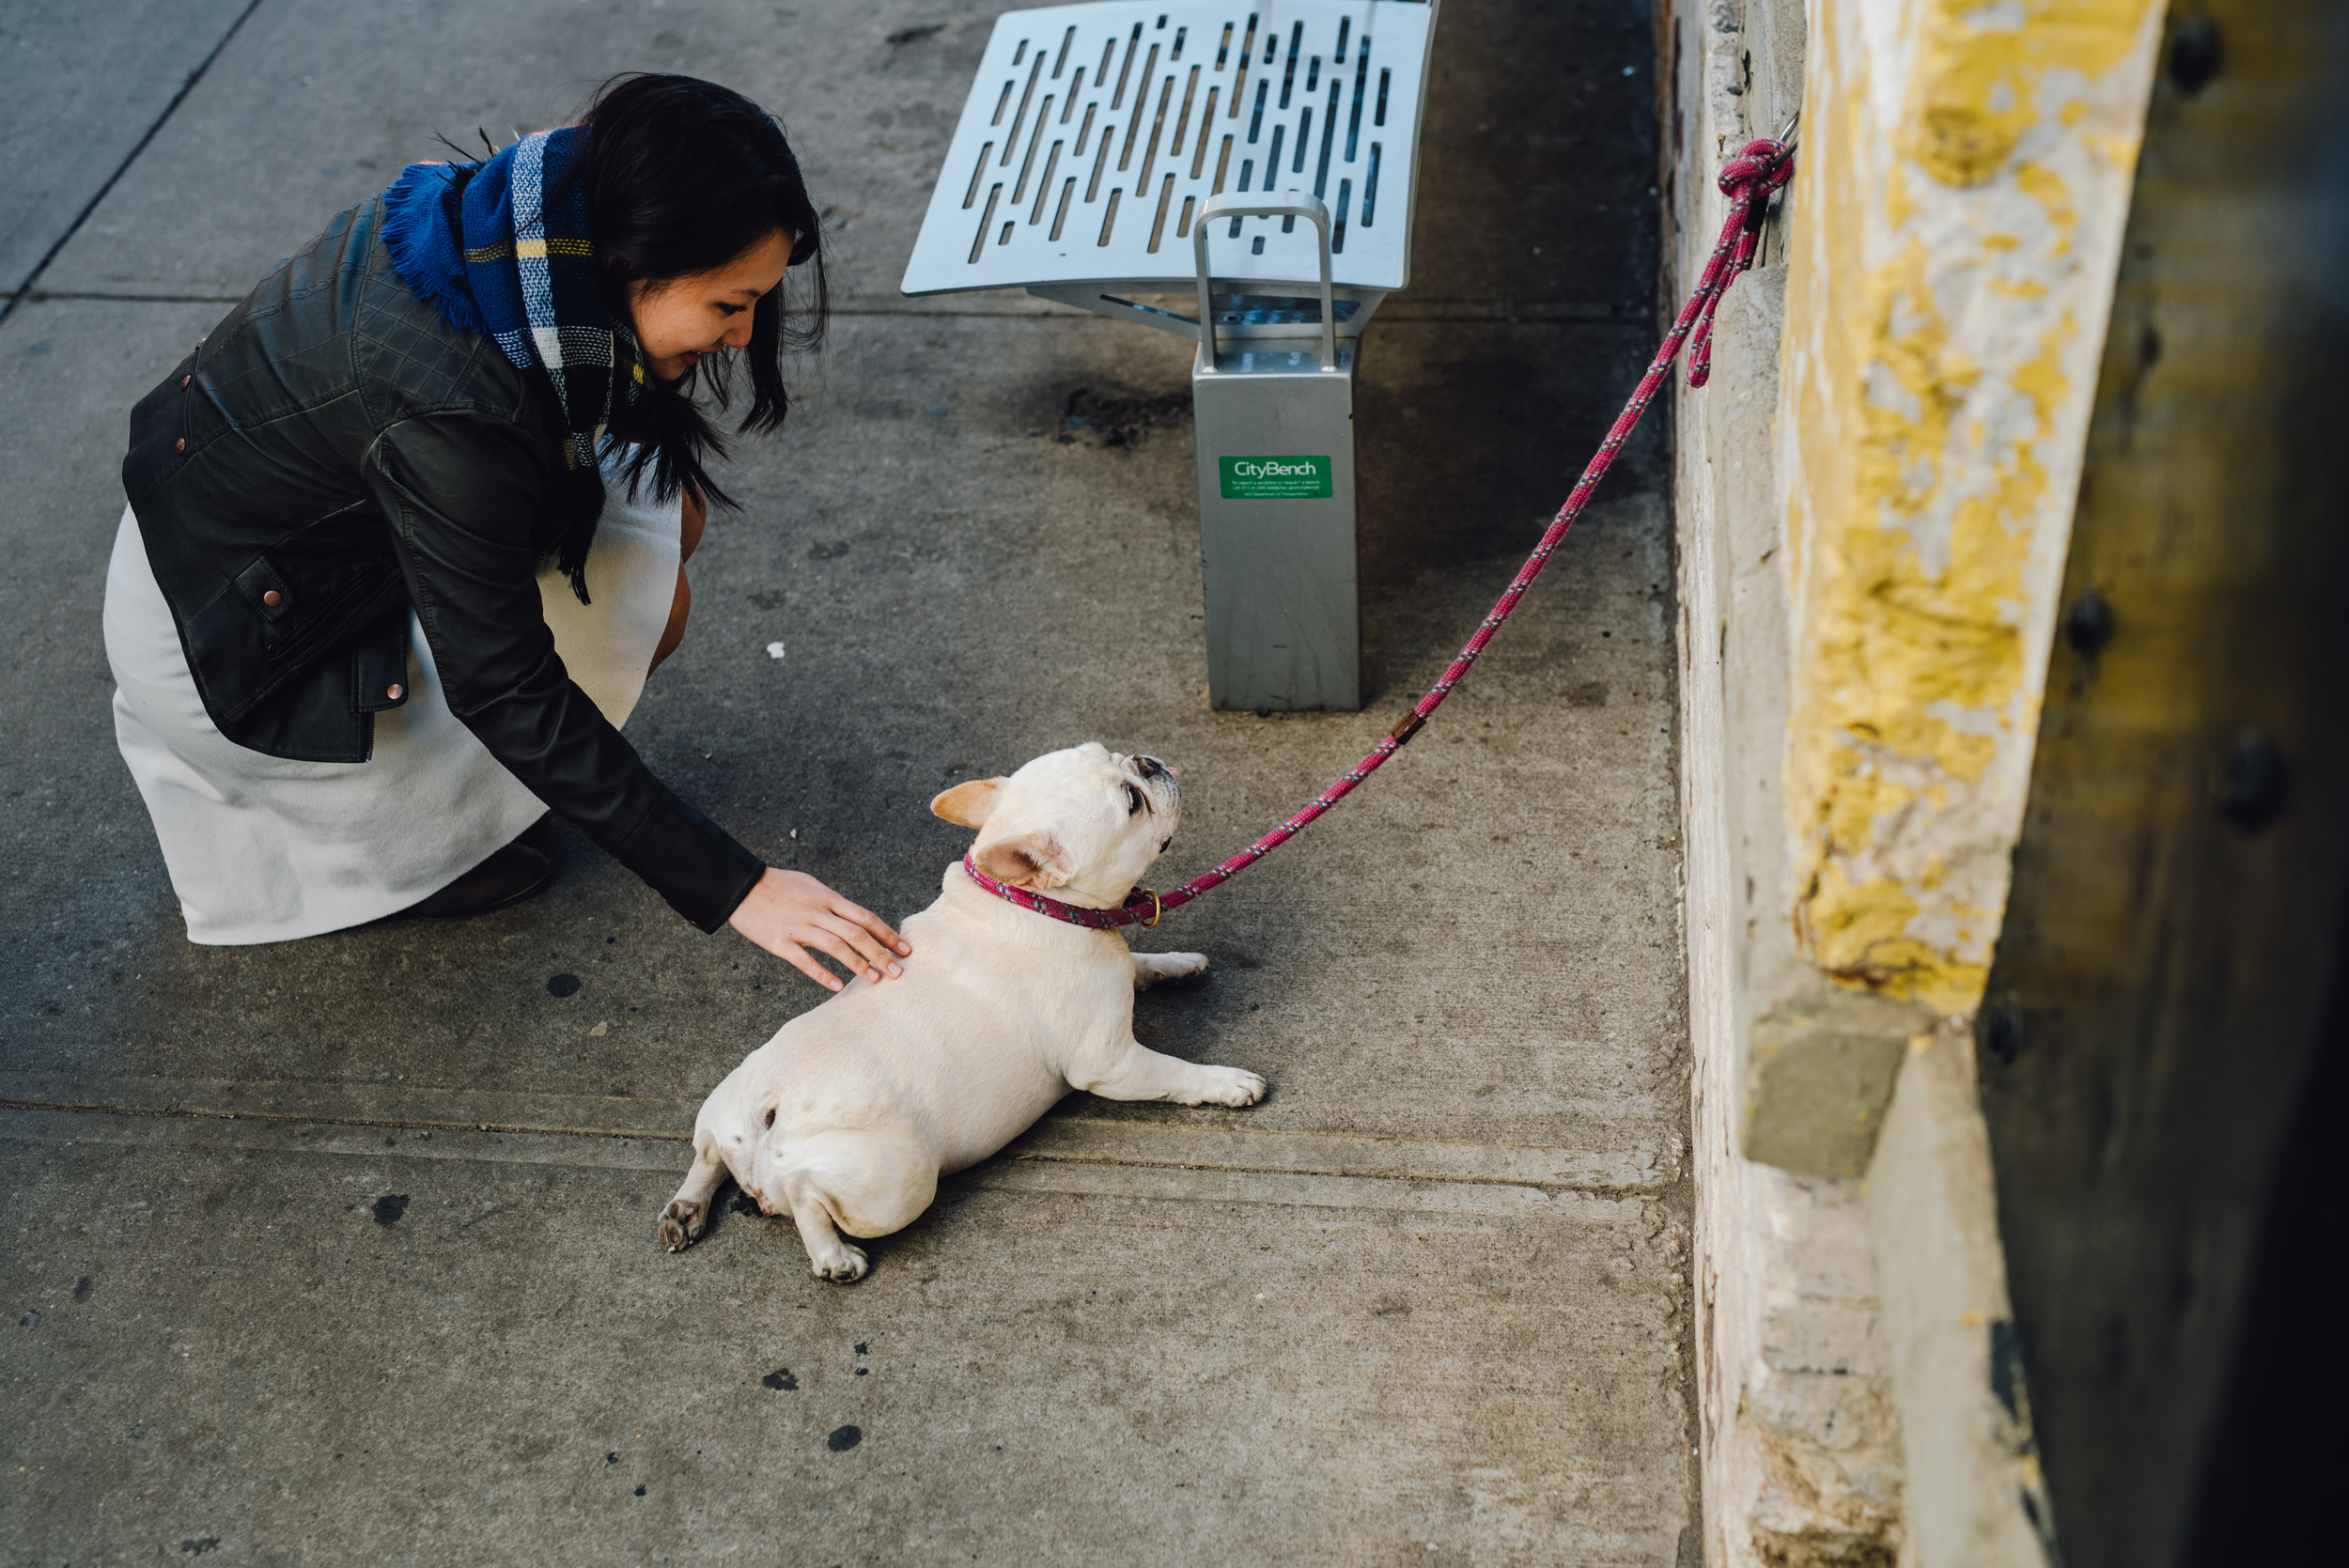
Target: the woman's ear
(970, 804)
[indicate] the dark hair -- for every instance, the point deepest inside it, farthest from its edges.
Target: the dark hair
(682, 175)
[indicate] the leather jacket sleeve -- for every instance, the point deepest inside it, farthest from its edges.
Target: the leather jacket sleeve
(460, 489)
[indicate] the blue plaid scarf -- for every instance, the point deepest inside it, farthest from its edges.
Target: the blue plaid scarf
(502, 249)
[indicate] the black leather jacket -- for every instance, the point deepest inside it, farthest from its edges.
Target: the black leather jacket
(333, 454)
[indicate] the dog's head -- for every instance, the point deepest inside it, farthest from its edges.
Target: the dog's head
(1081, 825)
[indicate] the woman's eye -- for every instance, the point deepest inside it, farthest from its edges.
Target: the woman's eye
(725, 309)
(1134, 799)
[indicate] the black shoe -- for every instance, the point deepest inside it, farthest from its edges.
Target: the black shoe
(505, 878)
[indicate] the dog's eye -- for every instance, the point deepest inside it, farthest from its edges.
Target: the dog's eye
(1133, 800)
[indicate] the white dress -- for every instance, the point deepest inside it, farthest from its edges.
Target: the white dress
(261, 850)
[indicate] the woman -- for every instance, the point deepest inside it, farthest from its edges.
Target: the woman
(406, 532)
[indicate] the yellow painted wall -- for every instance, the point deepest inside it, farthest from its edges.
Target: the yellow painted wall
(1956, 225)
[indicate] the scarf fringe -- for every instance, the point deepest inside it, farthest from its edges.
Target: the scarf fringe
(416, 233)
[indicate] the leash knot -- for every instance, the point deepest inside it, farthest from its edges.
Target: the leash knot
(1761, 166)
(1764, 159)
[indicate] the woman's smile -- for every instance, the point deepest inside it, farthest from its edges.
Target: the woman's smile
(683, 320)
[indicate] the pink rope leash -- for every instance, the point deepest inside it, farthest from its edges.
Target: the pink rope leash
(1761, 166)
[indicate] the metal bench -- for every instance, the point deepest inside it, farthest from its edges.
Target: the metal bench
(1119, 150)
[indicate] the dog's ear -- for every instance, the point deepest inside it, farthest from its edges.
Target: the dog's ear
(969, 804)
(1033, 861)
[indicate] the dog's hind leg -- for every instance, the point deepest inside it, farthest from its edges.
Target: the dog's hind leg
(1139, 1073)
(688, 1214)
(828, 1256)
(866, 1183)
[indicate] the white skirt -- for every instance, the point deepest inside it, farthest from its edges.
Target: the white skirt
(261, 850)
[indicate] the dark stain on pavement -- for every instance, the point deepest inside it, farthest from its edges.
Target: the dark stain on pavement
(80, 1288)
(563, 986)
(1100, 420)
(389, 1207)
(844, 1439)
(781, 1380)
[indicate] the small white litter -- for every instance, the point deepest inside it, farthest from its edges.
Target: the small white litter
(774, 650)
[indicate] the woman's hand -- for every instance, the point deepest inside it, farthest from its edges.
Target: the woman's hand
(789, 913)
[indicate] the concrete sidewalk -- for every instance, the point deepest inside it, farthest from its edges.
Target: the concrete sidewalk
(345, 1247)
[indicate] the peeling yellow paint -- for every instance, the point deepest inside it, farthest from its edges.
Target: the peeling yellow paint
(2040, 378)
(2045, 186)
(1936, 349)
(1858, 935)
(1898, 209)
(1975, 87)
(2119, 151)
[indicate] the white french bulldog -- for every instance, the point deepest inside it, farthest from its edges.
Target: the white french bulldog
(846, 1118)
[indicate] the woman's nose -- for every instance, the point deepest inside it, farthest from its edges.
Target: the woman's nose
(738, 334)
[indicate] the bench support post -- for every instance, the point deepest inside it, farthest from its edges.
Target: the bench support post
(1274, 420)
(1276, 527)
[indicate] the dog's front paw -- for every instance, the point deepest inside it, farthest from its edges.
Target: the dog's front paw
(1226, 1086)
(844, 1264)
(1151, 967)
(681, 1225)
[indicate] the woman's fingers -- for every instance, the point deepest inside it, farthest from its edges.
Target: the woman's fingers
(870, 951)
(789, 913)
(825, 940)
(797, 957)
(872, 923)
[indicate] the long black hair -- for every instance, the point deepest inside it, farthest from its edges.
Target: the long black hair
(683, 175)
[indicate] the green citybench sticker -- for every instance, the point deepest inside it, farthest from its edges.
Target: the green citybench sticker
(1275, 478)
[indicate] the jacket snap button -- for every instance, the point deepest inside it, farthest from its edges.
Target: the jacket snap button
(395, 690)
(185, 379)
(272, 598)
(181, 445)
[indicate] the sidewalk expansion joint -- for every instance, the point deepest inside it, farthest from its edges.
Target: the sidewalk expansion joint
(1138, 1144)
(1549, 1190)
(27, 289)
(395, 1123)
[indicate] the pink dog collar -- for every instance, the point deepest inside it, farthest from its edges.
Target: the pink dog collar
(1075, 914)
